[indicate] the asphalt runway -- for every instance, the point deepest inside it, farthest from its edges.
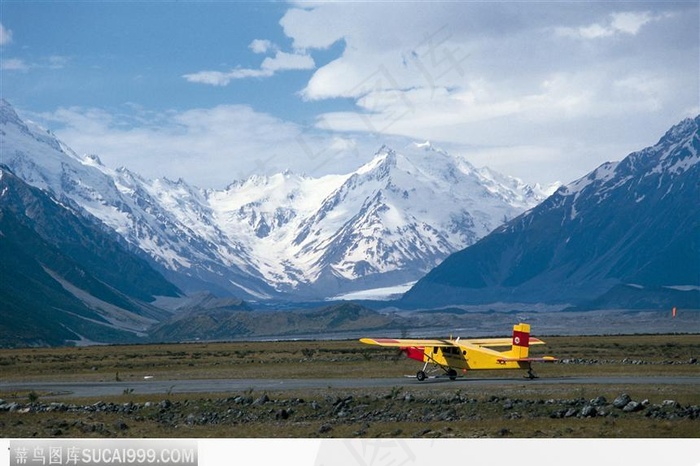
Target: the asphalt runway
(155, 386)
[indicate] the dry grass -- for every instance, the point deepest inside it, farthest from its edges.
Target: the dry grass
(626, 355)
(318, 359)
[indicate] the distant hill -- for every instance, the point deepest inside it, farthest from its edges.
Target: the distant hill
(634, 222)
(226, 324)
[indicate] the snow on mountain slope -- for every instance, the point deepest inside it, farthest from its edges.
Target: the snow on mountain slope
(384, 225)
(391, 215)
(388, 220)
(169, 221)
(626, 226)
(265, 213)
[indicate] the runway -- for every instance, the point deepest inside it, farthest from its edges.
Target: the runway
(155, 386)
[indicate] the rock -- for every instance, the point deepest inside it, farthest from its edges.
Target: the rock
(165, 404)
(632, 406)
(343, 401)
(622, 401)
(121, 425)
(262, 400)
(571, 412)
(599, 401)
(325, 428)
(58, 407)
(589, 411)
(558, 414)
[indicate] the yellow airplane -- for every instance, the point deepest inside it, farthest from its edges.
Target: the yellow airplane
(465, 355)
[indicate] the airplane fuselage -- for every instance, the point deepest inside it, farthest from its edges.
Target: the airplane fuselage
(463, 358)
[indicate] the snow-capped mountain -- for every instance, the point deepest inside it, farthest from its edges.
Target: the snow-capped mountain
(267, 237)
(628, 227)
(387, 222)
(168, 221)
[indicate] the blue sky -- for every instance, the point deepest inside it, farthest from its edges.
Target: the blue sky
(215, 91)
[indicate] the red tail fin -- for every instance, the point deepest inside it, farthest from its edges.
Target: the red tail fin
(521, 341)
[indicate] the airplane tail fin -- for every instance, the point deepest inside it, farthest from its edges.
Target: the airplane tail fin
(521, 341)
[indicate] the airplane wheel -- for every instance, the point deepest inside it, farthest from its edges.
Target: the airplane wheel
(452, 374)
(420, 375)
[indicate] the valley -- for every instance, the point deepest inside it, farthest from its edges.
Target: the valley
(568, 400)
(96, 255)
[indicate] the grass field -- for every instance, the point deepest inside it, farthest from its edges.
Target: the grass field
(519, 410)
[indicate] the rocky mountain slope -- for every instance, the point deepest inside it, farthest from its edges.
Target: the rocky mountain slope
(65, 277)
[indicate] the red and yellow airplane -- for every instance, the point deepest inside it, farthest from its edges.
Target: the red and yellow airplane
(465, 355)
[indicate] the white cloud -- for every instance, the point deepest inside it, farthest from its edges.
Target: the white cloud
(630, 22)
(261, 46)
(209, 147)
(499, 76)
(282, 61)
(53, 62)
(219, 78)
(5, 35)
(288, 61)
(534, 90)
(14, 64)
(616, 23)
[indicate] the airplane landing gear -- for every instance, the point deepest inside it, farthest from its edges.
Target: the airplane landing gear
(530, 374)
(450, 372)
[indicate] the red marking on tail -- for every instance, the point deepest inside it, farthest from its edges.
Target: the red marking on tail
(521, 339)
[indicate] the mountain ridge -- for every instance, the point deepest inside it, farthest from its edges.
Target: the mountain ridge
(630, 222)
(65, 278)
(283, 236)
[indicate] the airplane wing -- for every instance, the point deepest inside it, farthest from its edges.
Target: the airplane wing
(497, 342)
(542, 359)
(407, 342)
